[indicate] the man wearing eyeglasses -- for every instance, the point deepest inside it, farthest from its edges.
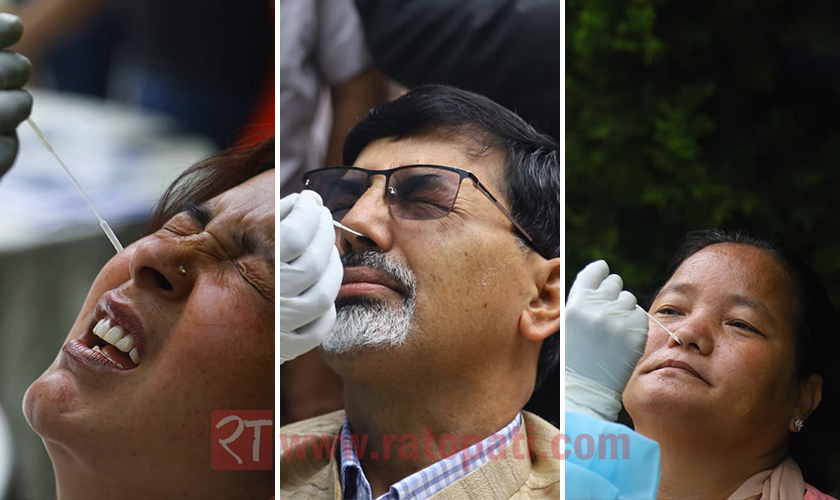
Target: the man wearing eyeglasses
(448, 311)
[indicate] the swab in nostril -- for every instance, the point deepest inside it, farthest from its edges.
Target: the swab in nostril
(342, 226)
(673, 336)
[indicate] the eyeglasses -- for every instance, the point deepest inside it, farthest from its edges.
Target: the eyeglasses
(415, 192)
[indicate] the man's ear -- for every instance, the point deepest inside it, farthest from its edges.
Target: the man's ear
(541, 314)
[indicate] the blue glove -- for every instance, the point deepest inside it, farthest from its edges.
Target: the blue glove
(15, 103)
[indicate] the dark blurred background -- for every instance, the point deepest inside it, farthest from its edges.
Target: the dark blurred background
(687, 115)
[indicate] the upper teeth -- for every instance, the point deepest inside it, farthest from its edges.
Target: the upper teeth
(115, 335)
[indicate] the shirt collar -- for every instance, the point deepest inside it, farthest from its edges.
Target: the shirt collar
(426, 482)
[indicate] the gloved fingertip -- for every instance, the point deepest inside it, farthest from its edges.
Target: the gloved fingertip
(315, 196)
(12, 28)
(11, 20)
(629, 300)
(599, 265)
(328, 215)
(614, 278)
(26, 63)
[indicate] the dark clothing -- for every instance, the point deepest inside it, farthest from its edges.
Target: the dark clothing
(507, 50)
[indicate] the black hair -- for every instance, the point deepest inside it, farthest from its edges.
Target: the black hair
(815, 331)
(531, 175)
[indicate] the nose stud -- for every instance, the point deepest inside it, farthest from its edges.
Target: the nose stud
(182, 271)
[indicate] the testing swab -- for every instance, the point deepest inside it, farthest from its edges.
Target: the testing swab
(673, 336)
(104, 225)
(342, 226)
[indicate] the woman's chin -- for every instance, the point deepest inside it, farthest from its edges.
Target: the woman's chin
(50, 403)
(654, 397)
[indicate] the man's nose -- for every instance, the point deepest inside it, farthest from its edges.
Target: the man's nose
(371, 216)
(166, 267)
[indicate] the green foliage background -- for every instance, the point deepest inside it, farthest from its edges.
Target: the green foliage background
(685, 115)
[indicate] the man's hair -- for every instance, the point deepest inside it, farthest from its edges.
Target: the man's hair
(531, 173)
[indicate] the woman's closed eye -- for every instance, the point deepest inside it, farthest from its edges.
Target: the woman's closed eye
(177, 231)
(743, 325)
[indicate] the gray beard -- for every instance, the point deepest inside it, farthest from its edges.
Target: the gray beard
(370, 323)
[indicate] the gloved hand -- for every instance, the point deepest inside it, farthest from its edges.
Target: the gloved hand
(605, 337)
(310, 273)
(15, 104)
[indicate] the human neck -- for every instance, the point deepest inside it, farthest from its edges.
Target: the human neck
(77, 477)
(416, 420)
(699, 464)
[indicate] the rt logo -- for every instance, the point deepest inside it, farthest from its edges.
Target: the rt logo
(238, 441)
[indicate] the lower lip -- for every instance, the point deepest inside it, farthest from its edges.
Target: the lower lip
(82, 354)
(677, 369)
(349, 289)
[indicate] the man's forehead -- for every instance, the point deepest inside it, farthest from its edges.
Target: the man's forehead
(435, 148)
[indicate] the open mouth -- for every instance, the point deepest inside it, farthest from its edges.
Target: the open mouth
(114, 338)
(111, 342)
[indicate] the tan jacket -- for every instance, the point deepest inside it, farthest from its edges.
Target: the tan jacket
(506, 477)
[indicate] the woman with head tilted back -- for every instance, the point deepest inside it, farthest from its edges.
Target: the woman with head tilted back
(194, 301)
(179, 324)
(757, 334)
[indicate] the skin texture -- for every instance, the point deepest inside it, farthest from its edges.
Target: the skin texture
(483, 308)
(145, 433)
(717, 432)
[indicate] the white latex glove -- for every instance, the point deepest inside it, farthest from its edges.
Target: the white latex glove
(310, 273)
(605, 337)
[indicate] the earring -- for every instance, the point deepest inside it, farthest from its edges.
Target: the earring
(182, 271)
(799, 424)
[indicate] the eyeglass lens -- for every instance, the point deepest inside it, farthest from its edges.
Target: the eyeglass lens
(418, 193)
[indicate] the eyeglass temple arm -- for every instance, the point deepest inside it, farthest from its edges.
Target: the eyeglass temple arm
(521, 229)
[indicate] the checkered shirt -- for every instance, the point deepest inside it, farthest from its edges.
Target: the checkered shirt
(424, 483)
